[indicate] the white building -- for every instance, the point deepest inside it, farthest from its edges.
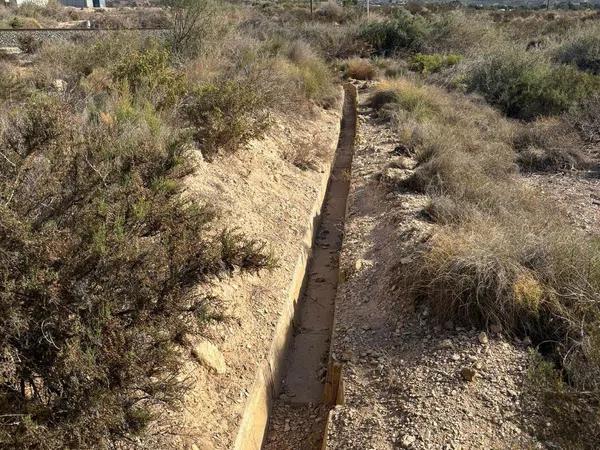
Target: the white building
(22, 2)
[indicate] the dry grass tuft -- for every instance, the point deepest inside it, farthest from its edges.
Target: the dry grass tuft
(403, 94)
(359, 69)
(306, 155)
(549, 144)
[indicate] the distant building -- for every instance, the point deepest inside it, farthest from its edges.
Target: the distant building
(84, 3)
(22, 2)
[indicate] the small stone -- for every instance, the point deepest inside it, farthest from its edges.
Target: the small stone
(408, 440)
(358, 264)
(455, 357)
(209, 356)
(483, 338)
(202, 445)
(446, 343)
(60, 85)
(468, 373)
(347, 356)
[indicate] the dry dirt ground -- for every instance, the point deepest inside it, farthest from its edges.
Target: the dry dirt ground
(266, 197)
(410, 382)
(577, 193)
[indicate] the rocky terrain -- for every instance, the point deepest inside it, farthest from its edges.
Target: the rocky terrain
(410, 382)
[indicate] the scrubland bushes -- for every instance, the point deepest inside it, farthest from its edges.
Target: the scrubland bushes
(402, 32)
(526, 87)
(102, 258)
(226, 114)
(99, 264)
(500, 255)
(583, 51)
(521, 82)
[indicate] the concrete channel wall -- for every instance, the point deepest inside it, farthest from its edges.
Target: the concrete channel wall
(266, 386)
(10, 38)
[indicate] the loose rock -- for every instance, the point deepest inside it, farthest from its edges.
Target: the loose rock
(209, 356)
(468, 373)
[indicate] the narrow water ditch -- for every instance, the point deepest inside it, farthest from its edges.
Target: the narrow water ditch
(298, 415)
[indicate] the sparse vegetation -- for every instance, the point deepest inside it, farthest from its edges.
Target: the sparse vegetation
(103, 254)
(499, 256)
(583, 51)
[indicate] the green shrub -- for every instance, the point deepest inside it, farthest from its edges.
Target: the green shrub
(29, 44)
(427, 64)
(148, 73)
(16, 23)
(100, 263)
(525, 87)
(402, 32)
(226, 115)
(583, 52)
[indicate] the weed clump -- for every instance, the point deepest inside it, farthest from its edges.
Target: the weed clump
(427, 64)
(402, 32)
(359, 69)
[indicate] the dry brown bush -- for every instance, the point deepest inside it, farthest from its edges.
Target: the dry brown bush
(359, 69)
(549, 144)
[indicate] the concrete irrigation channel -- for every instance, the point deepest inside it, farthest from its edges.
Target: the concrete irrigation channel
(308, 386)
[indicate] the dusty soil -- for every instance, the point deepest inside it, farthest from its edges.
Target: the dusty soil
(577, 193)
(268, 198)
(410, 382)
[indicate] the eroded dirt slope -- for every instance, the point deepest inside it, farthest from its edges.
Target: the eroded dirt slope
(268, 198)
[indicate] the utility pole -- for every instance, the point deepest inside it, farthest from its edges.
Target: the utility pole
(311, 9)
(368, 8)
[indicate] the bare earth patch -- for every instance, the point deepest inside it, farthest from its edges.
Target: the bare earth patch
(576, 193)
